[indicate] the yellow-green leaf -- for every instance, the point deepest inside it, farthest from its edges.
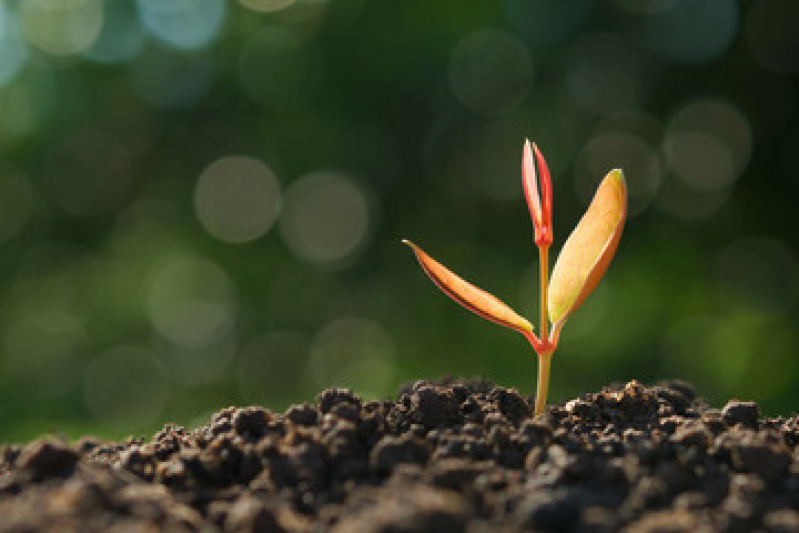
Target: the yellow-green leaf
(469, 296)
(588, 250)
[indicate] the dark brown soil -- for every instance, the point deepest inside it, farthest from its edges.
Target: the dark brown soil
(447, 456)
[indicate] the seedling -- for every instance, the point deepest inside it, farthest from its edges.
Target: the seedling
(581, 264)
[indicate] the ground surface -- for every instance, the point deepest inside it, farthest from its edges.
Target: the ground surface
(452, 456)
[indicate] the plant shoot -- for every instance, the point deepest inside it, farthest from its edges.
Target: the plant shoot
(581, 263)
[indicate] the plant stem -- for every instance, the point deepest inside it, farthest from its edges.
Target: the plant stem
(543, 269)
(544, 360)
(544, 355)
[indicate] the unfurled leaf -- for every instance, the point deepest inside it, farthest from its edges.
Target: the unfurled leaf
(585, 256)
(471, 297)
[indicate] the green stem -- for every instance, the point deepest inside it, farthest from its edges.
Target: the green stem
(543, 269)
(544, 360)
(545, 353)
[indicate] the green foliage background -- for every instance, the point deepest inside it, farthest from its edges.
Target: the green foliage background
(201, 202)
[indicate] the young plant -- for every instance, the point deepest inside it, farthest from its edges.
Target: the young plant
(582, 262)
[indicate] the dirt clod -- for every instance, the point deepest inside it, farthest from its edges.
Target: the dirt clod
(45, 459)
(445, 456)
(737, 412)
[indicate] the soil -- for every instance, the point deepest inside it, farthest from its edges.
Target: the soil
(445, 456)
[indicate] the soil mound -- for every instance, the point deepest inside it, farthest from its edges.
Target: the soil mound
(445, 456)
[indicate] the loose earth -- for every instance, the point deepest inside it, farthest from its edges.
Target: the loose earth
(444, 456)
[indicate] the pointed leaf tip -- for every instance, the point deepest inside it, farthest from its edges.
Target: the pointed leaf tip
(470, 296)
(590, 247)
(537, 185)
(530, 185)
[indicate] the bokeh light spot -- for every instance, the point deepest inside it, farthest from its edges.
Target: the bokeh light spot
(692, 31)
(121, 37)
(266, 6)
(16, 202)
(26, 103)
(700, 160)
(326, 218)
(708, 144)
(272, 367)
(13, 48)
(183, 24)
(171, 79)
(546, 21)
(354, 352)
(62, 27)
(125, 388)
(490, 72)
(237, 199)
(191, 301)
(721, 119)
(203, 365)
(639, 162)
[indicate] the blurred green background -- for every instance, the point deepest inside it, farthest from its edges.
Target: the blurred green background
(201, 201)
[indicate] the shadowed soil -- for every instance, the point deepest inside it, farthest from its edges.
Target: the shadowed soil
(445, 456)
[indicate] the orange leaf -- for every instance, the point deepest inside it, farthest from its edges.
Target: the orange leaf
(588, 250)
(472, 298)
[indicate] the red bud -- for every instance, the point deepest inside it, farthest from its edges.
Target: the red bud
(535, 171)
